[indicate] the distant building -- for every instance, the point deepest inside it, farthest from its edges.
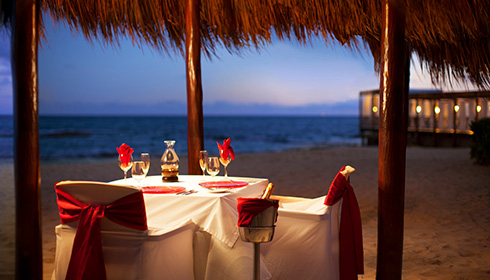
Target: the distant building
(435, 118)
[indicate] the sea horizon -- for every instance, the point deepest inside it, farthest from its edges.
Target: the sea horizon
(185, 115)
(82, 137)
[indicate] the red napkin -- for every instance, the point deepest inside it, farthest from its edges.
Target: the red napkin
(162, 189)
(351, 248)
(124, 153)
(249, 208)
(226, 149)
(223, 184)
(87, 260)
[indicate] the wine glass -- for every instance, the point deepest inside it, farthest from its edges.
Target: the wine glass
(203, 161)
(138, 171)
(225, 163)
(125, 166)
(213, 166)
(145, 157)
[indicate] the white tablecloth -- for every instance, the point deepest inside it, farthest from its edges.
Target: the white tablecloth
(305, 243)
(214, 213)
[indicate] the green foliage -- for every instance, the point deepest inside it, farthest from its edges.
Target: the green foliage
(480, 141)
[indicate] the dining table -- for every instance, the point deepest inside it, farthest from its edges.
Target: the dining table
(211, 204)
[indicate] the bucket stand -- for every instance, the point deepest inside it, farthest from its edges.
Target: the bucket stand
(261, 230)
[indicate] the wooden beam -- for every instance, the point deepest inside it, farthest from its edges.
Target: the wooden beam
(25, 36)
(455, 121)
(195, 131)
(394, 84)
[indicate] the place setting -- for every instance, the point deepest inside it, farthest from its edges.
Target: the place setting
(170, 182)
(211, 165)
(139, 169)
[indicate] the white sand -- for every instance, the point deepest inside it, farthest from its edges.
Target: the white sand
(447, 203)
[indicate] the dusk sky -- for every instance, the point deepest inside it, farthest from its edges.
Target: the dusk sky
(81, 78)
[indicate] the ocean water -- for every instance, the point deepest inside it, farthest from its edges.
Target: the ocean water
(88, 137)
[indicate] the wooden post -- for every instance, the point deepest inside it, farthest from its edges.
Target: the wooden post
(417, 116)
(455, 121)
(195, 131)
(25, 36)
(435, 121)
(373, 114)
(477, 116)
(392, 139)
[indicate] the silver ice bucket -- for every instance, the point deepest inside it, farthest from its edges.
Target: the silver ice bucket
(261, 229)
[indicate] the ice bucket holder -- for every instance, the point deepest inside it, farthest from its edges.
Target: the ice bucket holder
(261, 229)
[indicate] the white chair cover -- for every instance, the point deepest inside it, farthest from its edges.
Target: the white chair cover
(306, 240)
(163, 253)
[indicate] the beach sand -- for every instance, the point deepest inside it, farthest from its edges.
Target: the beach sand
(447, 203)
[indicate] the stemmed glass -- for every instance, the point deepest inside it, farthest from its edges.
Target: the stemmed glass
(225, 163)
(125, 166)
(203, 161)
(145, 157)
(213, 166)
(138, 172)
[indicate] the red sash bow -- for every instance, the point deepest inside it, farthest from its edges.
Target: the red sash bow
(87, 260)
(351, 250)
(249, 208)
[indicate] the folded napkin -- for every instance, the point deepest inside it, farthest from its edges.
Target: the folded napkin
(249, 208)
(124, 153)
(351, 248)
(162, 189)
(87, 260)
(226, 149)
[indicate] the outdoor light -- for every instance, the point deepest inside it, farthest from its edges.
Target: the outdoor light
(478, 108)
(437, 110)
(375, 109)
(456, 108)
(418, 109)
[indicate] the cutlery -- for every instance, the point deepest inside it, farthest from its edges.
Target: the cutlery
(187, 192)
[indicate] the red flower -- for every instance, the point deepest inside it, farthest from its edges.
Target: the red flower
(226, 149)
(124, 153)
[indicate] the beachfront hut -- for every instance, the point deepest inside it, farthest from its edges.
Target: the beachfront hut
(435, 118)
(452, 41)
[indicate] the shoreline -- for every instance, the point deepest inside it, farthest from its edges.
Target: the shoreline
(446, 198)
(356, 143)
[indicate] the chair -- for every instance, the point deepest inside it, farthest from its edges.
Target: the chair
(307, 241)
(130, 250)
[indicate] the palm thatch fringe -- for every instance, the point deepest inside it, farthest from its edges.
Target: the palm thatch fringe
(451, 37)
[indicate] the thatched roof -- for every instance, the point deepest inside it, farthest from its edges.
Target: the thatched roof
(451, 37)
(5, 12)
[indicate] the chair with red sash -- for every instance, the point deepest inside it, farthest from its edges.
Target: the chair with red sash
(104, 235)
(319, 238)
